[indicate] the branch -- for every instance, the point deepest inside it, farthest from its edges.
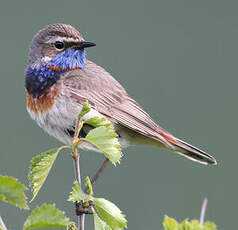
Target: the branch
(75, 156)
(2, 224)
(203, 211)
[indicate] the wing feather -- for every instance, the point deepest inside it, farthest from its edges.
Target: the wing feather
(107, 96)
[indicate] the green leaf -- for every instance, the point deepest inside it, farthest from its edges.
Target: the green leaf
(210, 225)
(195, 225)
(110, 214)
(185, 225)
(12, 192)
(40, 168)
(207, 225)
(86, 108)
(105, 139)
(99, 224)
(170, 223)
(77, 194)
(46, 216)
(89, 187)
(98, 121)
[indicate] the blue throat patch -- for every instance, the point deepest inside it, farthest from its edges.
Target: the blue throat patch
(39, 79)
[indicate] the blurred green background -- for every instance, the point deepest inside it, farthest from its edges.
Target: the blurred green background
(178, 59)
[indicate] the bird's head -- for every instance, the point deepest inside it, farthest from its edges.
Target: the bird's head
(54, 50)
(58, 46)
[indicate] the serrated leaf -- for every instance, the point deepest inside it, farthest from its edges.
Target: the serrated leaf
(98, 121)
(105, 139)
(86, 108)
(40, 168)
(77, 194)
(196, 225)
(46, 216)
(89, 187)
(170, 223)
(210, 225)
(99, 224)
(12, 192)
(185, 225)
(110, 213)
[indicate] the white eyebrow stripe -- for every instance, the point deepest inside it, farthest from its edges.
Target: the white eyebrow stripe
(62, 39)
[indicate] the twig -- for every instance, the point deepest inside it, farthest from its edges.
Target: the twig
(82, 221)
(75, 156)
(203, 211)
(2, 224)
(81, 218)
(78, 178)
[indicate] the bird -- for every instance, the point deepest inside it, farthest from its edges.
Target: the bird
(59, 80)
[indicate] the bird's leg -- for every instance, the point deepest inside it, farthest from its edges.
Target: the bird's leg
(100, 170)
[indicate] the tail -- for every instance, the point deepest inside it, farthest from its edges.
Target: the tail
(191, 152)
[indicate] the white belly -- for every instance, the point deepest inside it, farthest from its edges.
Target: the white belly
(62, 116)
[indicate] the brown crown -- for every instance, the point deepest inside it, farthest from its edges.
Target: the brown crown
(62, 30)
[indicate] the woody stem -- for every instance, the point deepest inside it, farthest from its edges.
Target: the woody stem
(203, 210)
(75, 156)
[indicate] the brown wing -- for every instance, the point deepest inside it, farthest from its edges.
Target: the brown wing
(107, 96)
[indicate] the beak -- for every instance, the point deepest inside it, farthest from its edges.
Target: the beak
(84, 44)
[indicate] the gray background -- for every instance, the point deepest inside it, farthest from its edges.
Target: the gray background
(178, 59)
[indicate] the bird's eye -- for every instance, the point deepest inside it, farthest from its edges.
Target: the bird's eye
(59, 45)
